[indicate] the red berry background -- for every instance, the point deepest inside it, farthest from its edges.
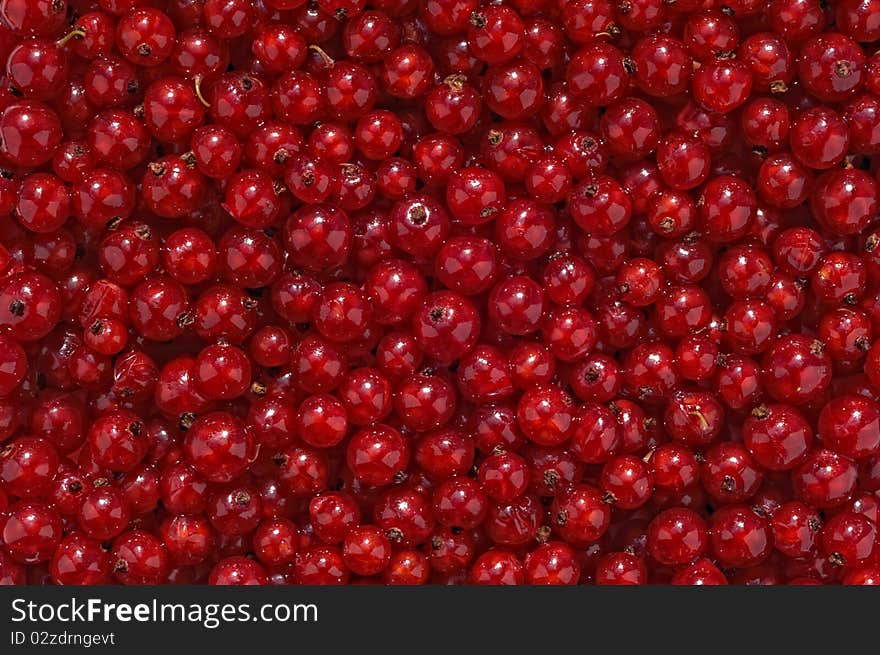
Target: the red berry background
(439, 292)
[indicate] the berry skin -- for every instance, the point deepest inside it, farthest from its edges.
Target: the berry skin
(29, 133)
(139, 558)
(31, 532)
(30, 306)
(778, 436)
(848, 539)
(580, 514)
(27, 467)
(446, 325)
(700, 572)
(739, 537)
(80, 561)
(440, 292)
(722, 85)
(825, 479)
(219, 446)
(376, 455)
(796, 369)
(677, 536)
(848, 425)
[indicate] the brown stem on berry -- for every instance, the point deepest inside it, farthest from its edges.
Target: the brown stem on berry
(418, 215)
(16, 308)
(455, 82)
(542, 534)
(186, 421)
(97, 327)
(75, 33)
(258, 388)
(143, 232)
(761, 412)
(817, 347)
(778, 87)
(281, 156)
(494, 137)
(843, 69)
(704, 424)
(612, 31)
(609, 498)
(588, 144)
(478, 20)
(666, 224)
(645, 392)
(327, 59)
(197, 83)
(186, 319)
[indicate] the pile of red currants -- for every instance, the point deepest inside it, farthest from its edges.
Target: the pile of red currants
(439, 291)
